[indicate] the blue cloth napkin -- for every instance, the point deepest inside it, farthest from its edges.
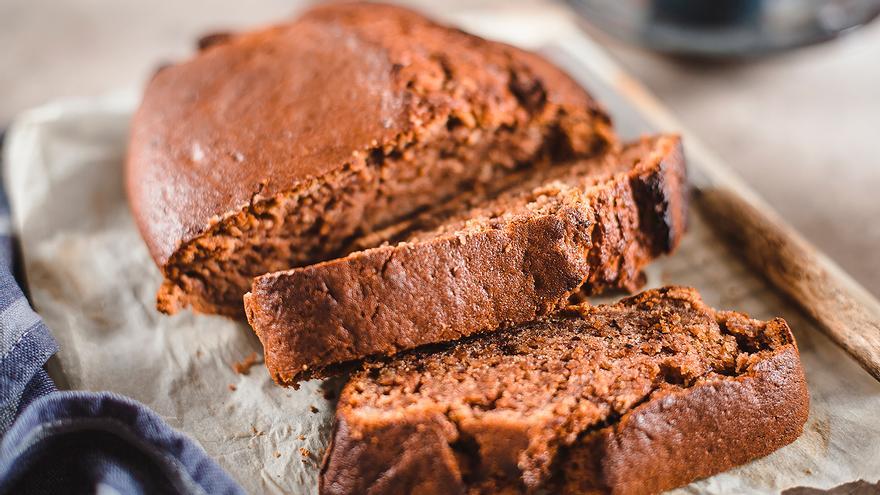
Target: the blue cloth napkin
(79, 442)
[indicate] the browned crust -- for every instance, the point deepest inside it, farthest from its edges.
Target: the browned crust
(673, 438)
(681, 436)
(412, 455)
(227, 133)
(392, 298)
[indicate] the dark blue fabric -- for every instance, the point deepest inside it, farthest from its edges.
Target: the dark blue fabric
(79, 442)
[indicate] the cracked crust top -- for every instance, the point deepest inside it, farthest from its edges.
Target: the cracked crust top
(636, 397)
(267, 112)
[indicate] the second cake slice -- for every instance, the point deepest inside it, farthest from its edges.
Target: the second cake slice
(588, 226)
(631, 398)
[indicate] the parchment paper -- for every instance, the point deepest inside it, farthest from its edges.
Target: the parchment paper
(91, 279)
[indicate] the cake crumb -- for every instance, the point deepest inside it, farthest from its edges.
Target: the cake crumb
(305, 452)
(301, 438)
(313, 409)
(276, 454)
(232, 387)
(243, 367)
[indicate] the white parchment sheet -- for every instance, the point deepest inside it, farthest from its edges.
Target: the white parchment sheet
(91, 279)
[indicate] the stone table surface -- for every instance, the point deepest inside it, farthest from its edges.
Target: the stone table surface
(800, 127)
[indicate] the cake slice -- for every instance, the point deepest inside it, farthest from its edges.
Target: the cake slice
(280, 147)
(586, 226)
(633, 398)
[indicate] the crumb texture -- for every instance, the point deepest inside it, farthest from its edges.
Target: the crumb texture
(581, 226)
(281, 147)
(637, 397)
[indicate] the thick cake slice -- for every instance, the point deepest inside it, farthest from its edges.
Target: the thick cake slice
(586, 226)
(279, 147)
(633, 398)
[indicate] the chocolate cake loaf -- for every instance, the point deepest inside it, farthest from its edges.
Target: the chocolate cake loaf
(278, 148)
(632, 398)
(585, 226)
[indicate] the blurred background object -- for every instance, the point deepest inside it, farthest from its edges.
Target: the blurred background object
(801, 127)
(725, 28)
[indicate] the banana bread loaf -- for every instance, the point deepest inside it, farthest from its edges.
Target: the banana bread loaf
(587, 226)
(278, 148)
(633, 398)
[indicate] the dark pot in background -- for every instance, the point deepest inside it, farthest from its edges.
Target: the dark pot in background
(725, 28)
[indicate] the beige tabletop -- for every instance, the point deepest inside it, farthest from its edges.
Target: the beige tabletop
(799, 127)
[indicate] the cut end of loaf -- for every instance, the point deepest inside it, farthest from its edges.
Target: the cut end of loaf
(430, 113)
(354, 207)
(637, 397)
